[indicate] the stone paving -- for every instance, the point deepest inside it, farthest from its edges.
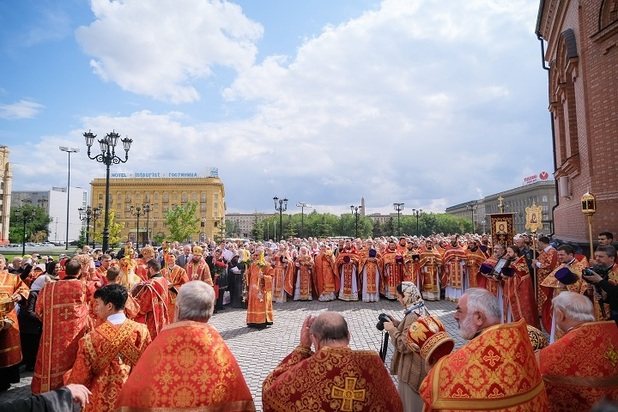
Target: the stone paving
(259, 351)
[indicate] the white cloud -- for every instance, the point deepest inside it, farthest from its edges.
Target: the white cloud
(162, 49)
(23, 109)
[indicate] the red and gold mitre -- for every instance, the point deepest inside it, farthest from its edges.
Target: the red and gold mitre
(428, 337)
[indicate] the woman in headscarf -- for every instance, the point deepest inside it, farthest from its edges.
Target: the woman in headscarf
(408, 365)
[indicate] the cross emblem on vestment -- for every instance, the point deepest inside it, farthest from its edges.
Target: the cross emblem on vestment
(66, 313)
(348, 394)
(491, 358)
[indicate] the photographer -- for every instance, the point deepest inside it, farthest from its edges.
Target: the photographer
(408, 365)
(604, 276)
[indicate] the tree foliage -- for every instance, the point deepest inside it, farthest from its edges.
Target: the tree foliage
(115, 229)
(35, 219)
(182, 221)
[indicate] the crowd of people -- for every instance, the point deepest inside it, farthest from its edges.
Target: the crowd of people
(129, 331)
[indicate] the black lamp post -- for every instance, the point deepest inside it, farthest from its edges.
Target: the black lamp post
(146, 210)
(108, 157)
(281, 205)
(398, 208)
(96, 212)
(137, 211)
(354, 210)
(417, 213)
(302, 206)
(85, 213)
(25, 215)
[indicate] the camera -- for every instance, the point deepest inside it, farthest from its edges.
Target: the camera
(601, 271)
(382, 317)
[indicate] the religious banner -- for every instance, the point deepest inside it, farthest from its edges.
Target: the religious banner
(502, 229)
(534, 219)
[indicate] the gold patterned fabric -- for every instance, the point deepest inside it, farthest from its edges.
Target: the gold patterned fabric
(187, 367)
(495, 371)
(581, 367)
(10, 347)
(334, 379)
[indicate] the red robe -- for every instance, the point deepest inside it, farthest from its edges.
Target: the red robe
(495, 371)
(581, 367)
(10, 346)
(104, 361)
(176, 277)
(392, 274)
(259, 295)
(188, 367)
(63, 308)
(153, 299)
(326, 281)
(519, 294)
(473, 264)
(353, 381)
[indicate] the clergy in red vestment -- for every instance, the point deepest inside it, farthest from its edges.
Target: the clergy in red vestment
(188, 366)
(63, 306)
(346, 266)
(496, 370)
(334, 378)
(429, 267)
(392, 271)
(454, 275)
(370, 277)
(176, 277)
(474, 258)
(299, 279)
(153, 299)
(12, 291)
(197, 268)
(326, 280)
(107, 354)
(545, 263)
(581, 367)
(518, 299)
(141, 268)
(259, 291)
(567, 276)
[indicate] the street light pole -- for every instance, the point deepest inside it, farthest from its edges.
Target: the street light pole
(137, 211)
(96, 212)
(471, 209)
(398, 207)
(69, 150)
(86, 213)
(281, 205)
(108, 157)
(25, 216)
(417, 213)
(354, 210)
(302, 206)
(146, 210)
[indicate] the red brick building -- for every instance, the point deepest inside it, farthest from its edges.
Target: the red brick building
(580, 43)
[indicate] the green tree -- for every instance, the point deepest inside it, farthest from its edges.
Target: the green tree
(115, 229)
(36, 220)
(183, 222)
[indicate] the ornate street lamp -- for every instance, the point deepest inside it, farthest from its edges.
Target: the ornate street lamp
(589, 208)
(69, 150)
(26, 214)
(417, 213)
(108, 157)
(85, 213)
(96, 212)
(398, 208)
(281, 205)
(137, 211)
(354, 210)
(472, 208)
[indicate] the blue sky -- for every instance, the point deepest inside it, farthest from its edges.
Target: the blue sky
(430, 103)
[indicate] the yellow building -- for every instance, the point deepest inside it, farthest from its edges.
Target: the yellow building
(160, 193)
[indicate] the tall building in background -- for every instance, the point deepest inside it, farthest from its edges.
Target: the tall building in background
(6, 178)
(161, 194)
(581, 57)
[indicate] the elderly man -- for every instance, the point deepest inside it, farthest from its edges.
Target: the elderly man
(188, 366)
(353, 380)
(495, 370)
(580, 368)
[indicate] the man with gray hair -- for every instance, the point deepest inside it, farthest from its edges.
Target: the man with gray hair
(495, 370)
(191, 354)
(580, 368)
(334, 378)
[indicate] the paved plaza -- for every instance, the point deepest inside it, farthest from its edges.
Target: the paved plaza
(259, 351)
